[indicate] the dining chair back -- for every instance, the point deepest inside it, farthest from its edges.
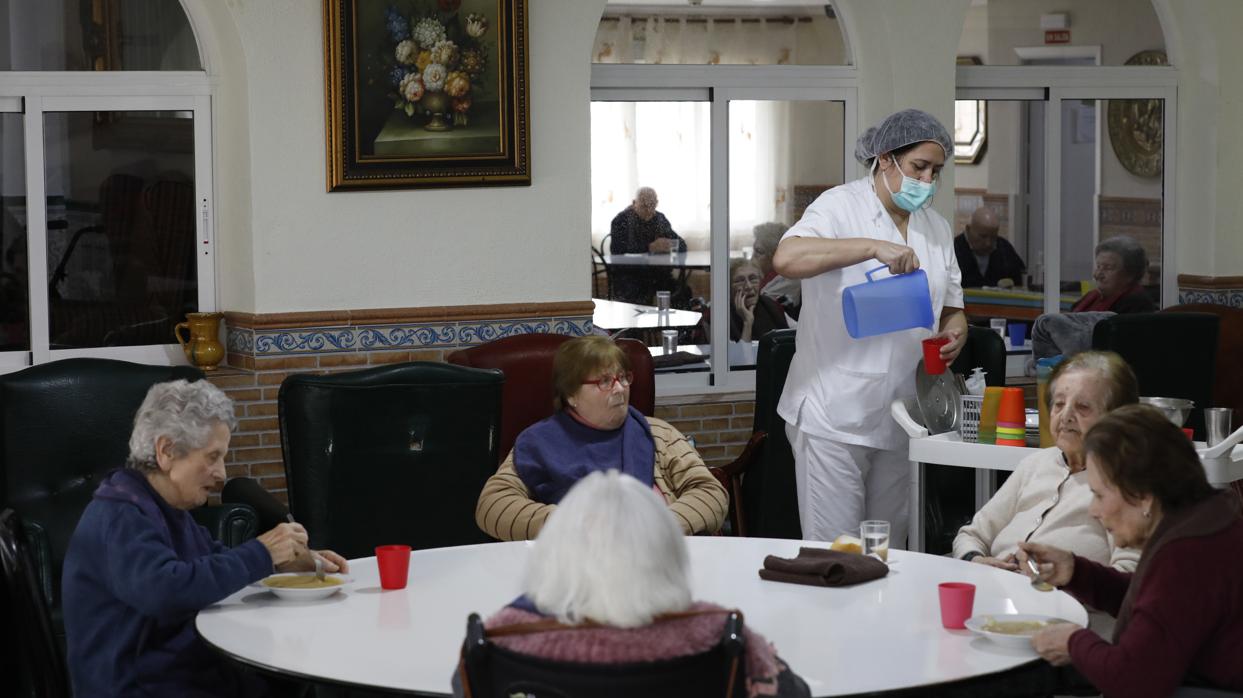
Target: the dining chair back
(33, 665)
(394, 454)
(488, 670)
(1172, 354)
(63, 426)
(526, 362)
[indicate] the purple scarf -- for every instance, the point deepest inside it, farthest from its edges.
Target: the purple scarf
(553, 454)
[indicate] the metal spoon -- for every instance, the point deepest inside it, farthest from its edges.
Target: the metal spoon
(1037, 583)
(319, 563)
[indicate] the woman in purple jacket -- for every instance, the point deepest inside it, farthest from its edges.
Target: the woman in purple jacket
(139, 568)
(1180, 614)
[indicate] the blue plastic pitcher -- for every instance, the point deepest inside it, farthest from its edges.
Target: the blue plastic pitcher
(892, 304)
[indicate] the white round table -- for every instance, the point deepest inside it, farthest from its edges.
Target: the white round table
(878, 636)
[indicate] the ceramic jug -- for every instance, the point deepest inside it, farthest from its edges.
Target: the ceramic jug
(203, 348)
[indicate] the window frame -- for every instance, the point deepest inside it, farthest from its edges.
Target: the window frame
(38, 93)
(719, 85)
(1056, 84)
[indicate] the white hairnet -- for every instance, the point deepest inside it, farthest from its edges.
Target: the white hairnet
(899, 129)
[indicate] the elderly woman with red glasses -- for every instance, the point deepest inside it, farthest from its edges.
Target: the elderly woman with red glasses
(596, 429)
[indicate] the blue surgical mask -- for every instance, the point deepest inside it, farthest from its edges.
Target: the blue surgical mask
(914, 193)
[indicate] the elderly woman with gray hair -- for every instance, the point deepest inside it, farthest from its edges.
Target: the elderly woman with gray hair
(608, 582)
(139, 568)
(787, 292)
(1119, 270)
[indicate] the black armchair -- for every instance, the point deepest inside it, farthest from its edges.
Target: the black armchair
(490, 671)
(763, 498)
(63, 426)
(1172, 354)
(396, 454)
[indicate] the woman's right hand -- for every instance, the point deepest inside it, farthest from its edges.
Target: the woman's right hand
(1056, 565)
(899, 258)
(1006, 564)
(285, 542)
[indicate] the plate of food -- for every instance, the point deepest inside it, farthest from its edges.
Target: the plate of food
(1010, 629)
(303, 586)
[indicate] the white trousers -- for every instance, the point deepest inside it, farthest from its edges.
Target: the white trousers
(841, 484)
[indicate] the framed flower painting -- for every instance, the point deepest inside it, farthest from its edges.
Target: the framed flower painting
(426, 93)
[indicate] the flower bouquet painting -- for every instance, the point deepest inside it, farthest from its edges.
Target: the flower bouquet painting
(426, 93)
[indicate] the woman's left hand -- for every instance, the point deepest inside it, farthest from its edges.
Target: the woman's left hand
(951, 349)
(1053, 642)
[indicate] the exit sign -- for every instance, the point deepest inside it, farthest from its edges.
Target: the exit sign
(1057, 36)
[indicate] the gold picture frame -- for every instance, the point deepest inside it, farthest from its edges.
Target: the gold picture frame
(426, 94)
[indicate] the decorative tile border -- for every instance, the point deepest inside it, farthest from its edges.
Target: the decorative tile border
(1231, 297)
(298, 334)
(1218, 290)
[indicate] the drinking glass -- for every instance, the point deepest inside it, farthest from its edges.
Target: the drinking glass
(663, 299)
(999, 326)
(1217, 424)
(875, 537)
(668, 341)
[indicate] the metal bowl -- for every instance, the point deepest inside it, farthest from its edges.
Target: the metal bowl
(1175, 409)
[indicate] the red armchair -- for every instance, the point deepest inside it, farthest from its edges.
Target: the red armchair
(526, 361)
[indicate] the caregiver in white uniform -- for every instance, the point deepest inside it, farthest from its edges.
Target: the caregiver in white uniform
(850, 457)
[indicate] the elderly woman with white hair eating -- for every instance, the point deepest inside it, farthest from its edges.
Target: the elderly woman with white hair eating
(609, 576)
(139, 568)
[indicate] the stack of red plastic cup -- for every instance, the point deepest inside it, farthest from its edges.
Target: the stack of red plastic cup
(1011, 418)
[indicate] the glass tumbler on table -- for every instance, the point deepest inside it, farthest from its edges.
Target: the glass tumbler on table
(875, 537)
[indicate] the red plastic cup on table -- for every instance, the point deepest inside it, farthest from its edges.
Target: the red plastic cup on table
(1191, 433)
(933, 363)
(394, 564)
(957, 600)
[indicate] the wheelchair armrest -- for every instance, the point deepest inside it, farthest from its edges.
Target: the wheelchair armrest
(231, 524)
(41, 551)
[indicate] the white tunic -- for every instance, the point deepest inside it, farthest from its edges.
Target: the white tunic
(839, 387)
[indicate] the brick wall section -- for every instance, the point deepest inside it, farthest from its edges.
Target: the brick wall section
(720, 425)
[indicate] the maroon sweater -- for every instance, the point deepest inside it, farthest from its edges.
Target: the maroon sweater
(1186, 618)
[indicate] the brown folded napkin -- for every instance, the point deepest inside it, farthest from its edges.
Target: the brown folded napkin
(823, 568)
(677, 358)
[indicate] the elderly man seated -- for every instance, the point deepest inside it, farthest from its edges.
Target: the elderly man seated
(984, 258)
(139, 568)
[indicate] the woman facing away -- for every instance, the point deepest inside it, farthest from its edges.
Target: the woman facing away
(1180, 614)
(611, 566)
(595, 428)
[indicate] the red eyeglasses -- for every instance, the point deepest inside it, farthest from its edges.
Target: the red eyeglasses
(605, 383)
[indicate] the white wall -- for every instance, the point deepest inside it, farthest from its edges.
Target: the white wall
(286, 245)
(317, 251)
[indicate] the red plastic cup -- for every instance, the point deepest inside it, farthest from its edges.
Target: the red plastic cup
(957, 600)
(394, 564)
(933, 363)
(1191, 433)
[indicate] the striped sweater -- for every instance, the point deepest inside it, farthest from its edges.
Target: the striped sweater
(506, 511)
